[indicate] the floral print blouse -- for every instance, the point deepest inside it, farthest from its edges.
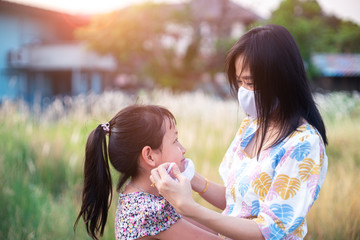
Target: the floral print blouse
(142, 214)
(279, 188)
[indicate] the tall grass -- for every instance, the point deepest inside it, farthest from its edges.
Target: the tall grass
(41, 160)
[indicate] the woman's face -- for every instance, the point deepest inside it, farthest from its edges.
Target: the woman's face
(172, 150)
(243, 75)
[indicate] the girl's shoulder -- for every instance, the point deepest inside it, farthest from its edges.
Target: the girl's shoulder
(141, 214)
(142, 202)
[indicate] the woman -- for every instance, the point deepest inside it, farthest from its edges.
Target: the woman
(276, 164)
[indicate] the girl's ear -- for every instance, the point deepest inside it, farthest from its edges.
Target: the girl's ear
(148, 155)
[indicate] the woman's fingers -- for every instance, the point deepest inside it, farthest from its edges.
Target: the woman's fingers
(164, 174)
(177, 192)
(152, 180)
(159, 175)
(177, 174)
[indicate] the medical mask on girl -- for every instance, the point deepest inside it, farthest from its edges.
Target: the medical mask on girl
(247, 101)
(189, 171)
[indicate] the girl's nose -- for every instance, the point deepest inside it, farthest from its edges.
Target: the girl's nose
(183, 149)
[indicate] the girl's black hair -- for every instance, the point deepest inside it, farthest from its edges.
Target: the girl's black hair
(279, 79)
(131, 130)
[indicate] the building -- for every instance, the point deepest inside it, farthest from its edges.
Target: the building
(39, 56)
(338, 71)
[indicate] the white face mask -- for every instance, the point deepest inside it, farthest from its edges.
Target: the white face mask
(189, 171)
(247, 101)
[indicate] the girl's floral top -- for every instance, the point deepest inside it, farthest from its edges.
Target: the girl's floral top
(142, 214)
(279, 188)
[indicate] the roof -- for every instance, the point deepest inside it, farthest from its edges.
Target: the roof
(337, 65)
(18, 8)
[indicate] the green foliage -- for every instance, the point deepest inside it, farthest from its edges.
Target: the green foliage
(33, 205)
(130, 35)
(314, 31)
(163, 42)
(134, 37)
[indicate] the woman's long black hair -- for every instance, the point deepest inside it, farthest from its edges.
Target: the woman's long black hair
(129, 132)
(279, 79)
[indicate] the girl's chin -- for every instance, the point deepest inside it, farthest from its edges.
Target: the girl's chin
(182, 165)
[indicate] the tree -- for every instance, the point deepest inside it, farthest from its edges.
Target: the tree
(135, 37)
(139, 36)
(314, 31)
(131, 35)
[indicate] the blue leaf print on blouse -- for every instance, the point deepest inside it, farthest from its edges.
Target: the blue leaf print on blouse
(255, 208)
(301, 150)
(276, 148)
(317, 192)
(276, 232)
(297, 223)
(241, 169)
(243, 185)
(243, 188)
(229, 209)
(284, 212)
(276, 159)
(247, 137)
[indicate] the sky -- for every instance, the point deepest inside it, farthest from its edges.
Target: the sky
(345, 9)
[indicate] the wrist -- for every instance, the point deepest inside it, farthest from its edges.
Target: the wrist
(188, 209)
(206, 187)
(200, 184)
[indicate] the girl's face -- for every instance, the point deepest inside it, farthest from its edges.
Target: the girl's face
(243, 75)
(172, 150)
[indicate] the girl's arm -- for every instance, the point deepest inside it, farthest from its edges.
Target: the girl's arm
(214, 194)
(179, 194)
(183, 229)
(232, 227)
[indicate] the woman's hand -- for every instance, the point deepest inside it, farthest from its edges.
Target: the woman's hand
(178, 193)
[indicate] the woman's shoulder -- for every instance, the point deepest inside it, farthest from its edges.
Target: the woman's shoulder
(305, 132)
(246, 123)
(303, 143)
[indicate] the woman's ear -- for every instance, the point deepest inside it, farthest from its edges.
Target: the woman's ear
(147, 155)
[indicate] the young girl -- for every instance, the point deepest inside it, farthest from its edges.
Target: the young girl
(140, 139)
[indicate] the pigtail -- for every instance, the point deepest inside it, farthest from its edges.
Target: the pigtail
(97, 191)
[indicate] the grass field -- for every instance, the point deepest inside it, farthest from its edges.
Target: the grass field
(41, 158)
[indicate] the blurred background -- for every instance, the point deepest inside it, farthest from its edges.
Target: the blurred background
(66, 66)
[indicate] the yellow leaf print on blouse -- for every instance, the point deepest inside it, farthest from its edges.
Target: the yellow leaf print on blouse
(308, 168)
(321, 159)
(262, 184)
(243, 126)
(304, 138)
(286, 187)
(260, 220)
(298, 131)
(232, 191)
